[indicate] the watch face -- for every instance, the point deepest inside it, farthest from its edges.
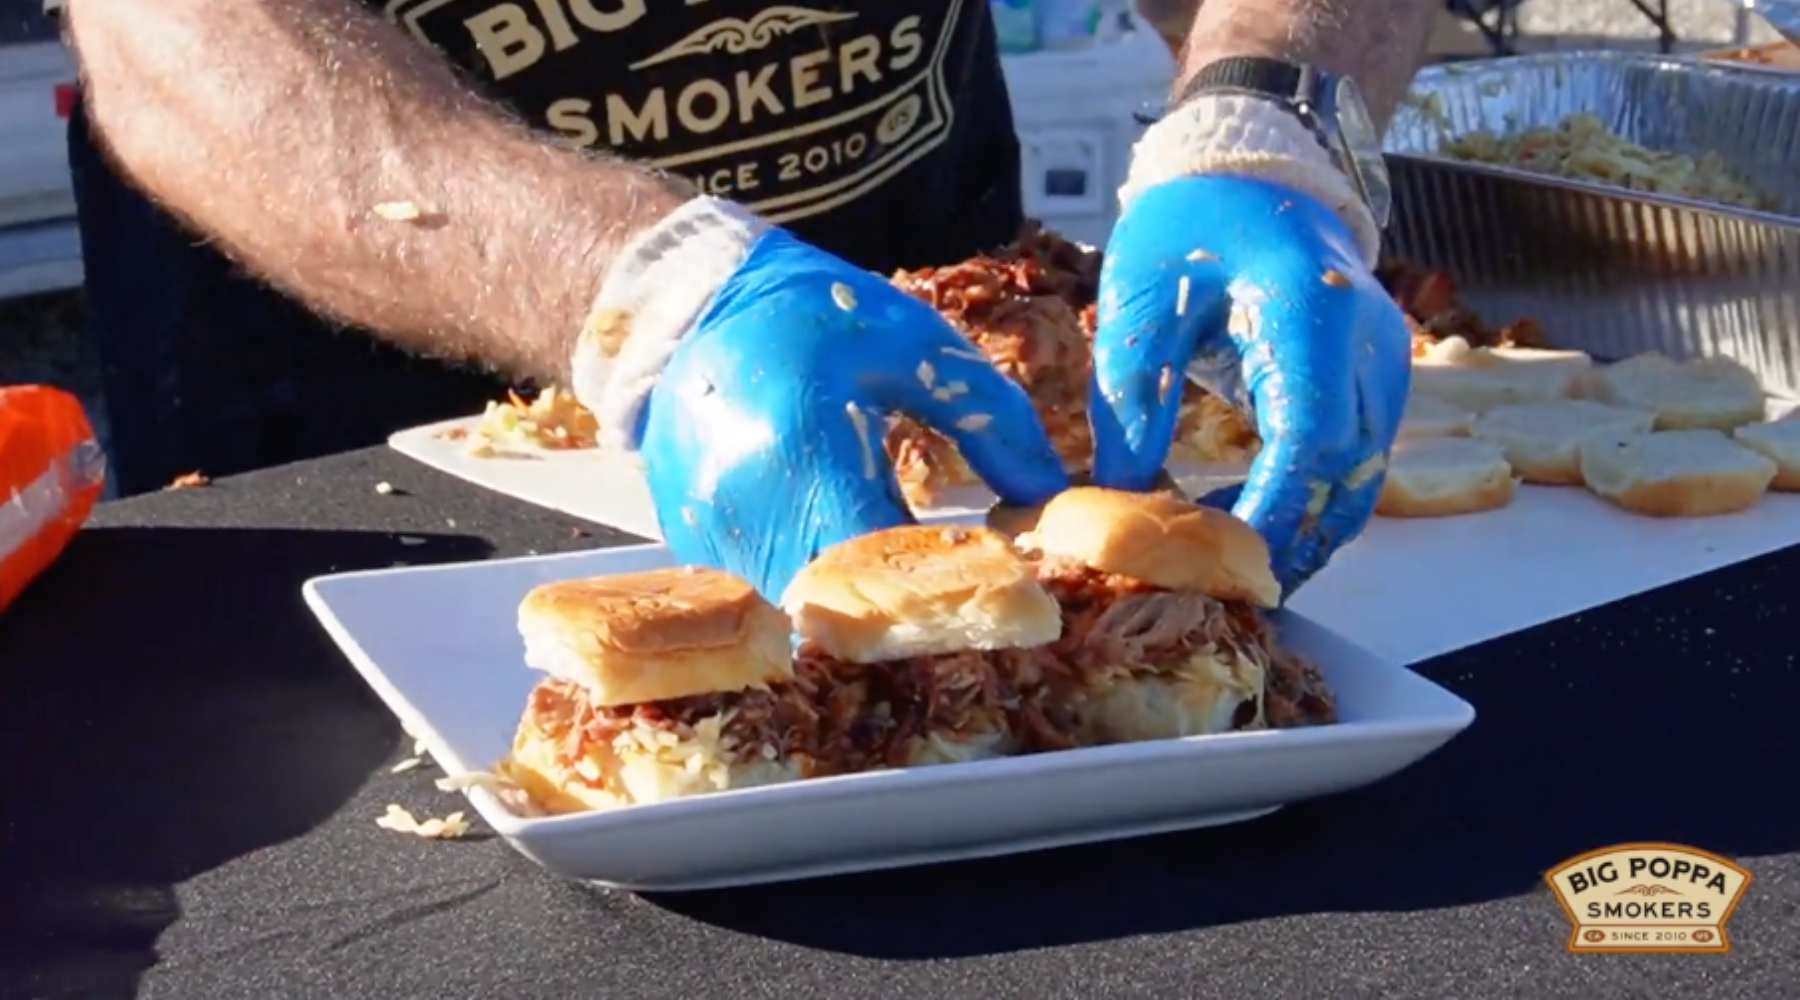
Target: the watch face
(1363, 144)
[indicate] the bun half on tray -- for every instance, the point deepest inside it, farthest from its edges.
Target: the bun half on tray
(1445, 477)
(662, 684)
(1162, 635)
(1689, 473)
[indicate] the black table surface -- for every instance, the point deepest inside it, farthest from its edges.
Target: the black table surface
(190, 774)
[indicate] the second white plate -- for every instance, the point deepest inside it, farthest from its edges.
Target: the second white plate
(608, 488)
(1408, 589)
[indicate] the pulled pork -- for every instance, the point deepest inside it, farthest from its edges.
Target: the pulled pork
(870, 714)
(1023, 309)
(1296, 694)
(1030, 308)
(778, 722)
(1116, 625)
(1110, 621)
(1434, 311)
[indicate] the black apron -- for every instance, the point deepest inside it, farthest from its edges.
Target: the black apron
(877, 130)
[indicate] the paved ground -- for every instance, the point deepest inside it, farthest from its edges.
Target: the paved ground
(1618, 23)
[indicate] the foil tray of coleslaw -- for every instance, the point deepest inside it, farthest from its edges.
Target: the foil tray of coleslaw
(1606, 269)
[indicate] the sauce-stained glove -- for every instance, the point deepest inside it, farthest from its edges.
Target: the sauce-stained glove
(754, 373)
(1243, 259)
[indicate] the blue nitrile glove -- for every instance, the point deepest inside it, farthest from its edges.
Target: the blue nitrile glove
(760, 422)
(1264, 295)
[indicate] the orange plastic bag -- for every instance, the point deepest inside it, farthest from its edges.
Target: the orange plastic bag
(51, 473)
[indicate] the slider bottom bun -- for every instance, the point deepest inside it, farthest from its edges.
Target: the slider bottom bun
(1703, 394)
(1694, 473)
(937, 748)
(1543, 440)
(641, 764)
(1430, 417)
(1779, 442)
(1202, 697)
(1444, 477)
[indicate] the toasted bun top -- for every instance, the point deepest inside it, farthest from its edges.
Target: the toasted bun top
(1158, 538)
(921, 591)
(656, 635)
(1015, 521)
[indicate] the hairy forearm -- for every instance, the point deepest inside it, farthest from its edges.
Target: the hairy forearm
(276, 128)
(1378, 43)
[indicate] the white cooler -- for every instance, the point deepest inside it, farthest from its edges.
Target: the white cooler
(1074, 115)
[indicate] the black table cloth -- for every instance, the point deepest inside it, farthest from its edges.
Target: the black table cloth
(191, 774)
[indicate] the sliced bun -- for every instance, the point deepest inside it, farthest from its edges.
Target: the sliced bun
(1715, 393)
(1161, 539)
(657, 635)
(622, 773)
(1478, 379)
(1543, 440)
(1430, 417)
(1442, 477)
(1676, 473)
(921, 591)
(1779, 442)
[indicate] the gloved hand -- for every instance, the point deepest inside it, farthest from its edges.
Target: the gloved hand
(760, 421)
(1253, 279)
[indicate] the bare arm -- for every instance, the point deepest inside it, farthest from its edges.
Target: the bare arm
(1378, 43)
(276, 126)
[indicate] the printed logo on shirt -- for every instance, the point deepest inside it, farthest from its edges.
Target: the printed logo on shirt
(792, 109)
(1648, 897)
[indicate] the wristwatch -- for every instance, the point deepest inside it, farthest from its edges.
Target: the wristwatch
(1330, 106)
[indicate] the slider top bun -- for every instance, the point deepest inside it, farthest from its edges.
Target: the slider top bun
(656, 635)
(921, 591)
(1161, 539)
(1015, 521)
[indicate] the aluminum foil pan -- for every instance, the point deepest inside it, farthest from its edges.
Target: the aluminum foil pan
(1610, 271)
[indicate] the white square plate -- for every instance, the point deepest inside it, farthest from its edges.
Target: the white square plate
(440, 646)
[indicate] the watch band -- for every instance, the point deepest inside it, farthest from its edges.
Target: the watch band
(1282, 81)
(1317, 100)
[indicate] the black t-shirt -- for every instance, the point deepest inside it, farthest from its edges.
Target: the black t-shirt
(877, 130)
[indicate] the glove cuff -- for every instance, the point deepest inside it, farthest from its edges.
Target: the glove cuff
(652, 293)
(1247, 137)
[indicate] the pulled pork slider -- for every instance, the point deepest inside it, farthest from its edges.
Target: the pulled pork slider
(662, 684)
(1162, 636)
(918, 636)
